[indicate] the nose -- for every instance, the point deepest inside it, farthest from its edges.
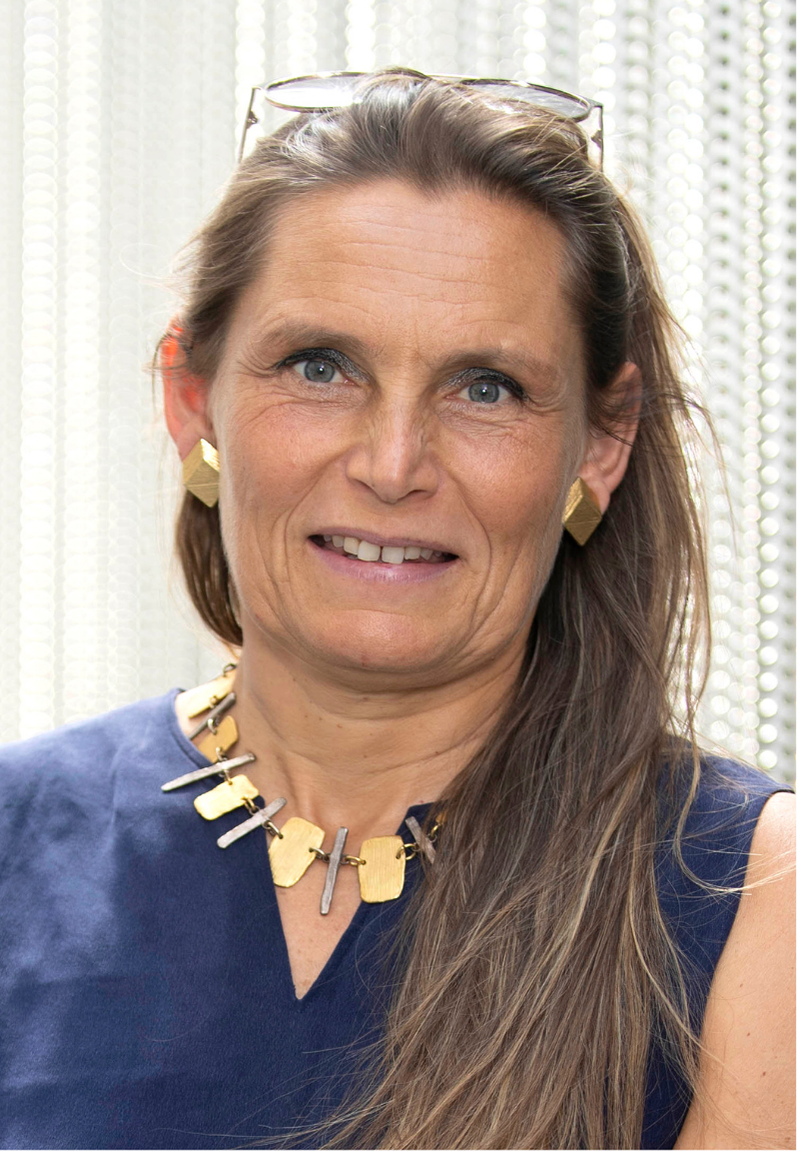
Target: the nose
(392, 454)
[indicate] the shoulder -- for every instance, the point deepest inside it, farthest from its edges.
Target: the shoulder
(761, 941)
(774, 836)
(76, 744)
(68, 772)
(762, 938)
(703, 855)
(745, 1094)
(708, 822)
(82, 804)
(725, 789)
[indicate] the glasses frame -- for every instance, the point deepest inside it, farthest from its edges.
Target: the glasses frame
(590, 118)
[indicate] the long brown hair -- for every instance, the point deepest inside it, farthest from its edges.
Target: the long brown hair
(537, 967)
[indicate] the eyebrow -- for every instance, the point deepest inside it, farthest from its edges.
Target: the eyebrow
(503, 359)
(298, 334)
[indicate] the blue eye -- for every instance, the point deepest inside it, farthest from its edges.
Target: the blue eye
(317, 371)
(484, 392)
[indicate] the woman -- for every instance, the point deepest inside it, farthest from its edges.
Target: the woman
(420, 332)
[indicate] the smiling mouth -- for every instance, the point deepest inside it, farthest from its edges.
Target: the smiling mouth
(363, 551)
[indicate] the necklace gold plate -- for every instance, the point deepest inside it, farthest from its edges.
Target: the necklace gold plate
(297, 844)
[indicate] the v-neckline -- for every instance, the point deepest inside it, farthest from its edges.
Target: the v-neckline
(334, 959)
(257, 847)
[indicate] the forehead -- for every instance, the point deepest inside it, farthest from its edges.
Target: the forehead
(396, 262)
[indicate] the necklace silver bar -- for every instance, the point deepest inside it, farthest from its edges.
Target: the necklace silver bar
(335, 856)
(423, 840)
(217, 768)
(218, 710)
(258, 820)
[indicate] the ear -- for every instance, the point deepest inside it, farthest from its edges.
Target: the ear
(185, 396)
(607, 457)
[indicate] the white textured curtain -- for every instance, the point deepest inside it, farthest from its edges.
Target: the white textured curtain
(119, 123)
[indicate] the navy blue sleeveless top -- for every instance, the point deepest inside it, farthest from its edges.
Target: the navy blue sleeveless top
(146, 998)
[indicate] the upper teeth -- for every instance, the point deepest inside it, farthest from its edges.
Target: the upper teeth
(365, 550)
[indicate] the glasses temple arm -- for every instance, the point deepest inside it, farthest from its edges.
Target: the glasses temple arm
(250, 120)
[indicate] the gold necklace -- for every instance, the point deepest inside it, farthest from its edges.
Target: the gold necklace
(296, 845)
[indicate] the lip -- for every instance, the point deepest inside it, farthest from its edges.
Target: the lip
(388, 541)
(406, 573)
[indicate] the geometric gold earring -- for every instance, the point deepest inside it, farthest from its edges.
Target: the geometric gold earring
(582, 514)
(201, 473)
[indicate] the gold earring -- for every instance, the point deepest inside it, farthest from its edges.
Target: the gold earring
(201, 473)
(582, 514)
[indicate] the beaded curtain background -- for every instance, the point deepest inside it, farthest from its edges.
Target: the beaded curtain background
(118, 126)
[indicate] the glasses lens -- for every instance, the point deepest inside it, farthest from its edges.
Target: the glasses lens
(313, 93)
(559, 102)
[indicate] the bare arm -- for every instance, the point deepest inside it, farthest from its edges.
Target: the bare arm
(745, 1096)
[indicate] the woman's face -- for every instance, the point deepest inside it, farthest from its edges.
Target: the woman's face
(406, 374)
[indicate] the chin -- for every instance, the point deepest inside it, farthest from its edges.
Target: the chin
(381, 646)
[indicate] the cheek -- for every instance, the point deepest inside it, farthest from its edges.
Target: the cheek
(516, 492)
(273, 454)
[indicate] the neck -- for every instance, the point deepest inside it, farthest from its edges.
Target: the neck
(342, 757)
